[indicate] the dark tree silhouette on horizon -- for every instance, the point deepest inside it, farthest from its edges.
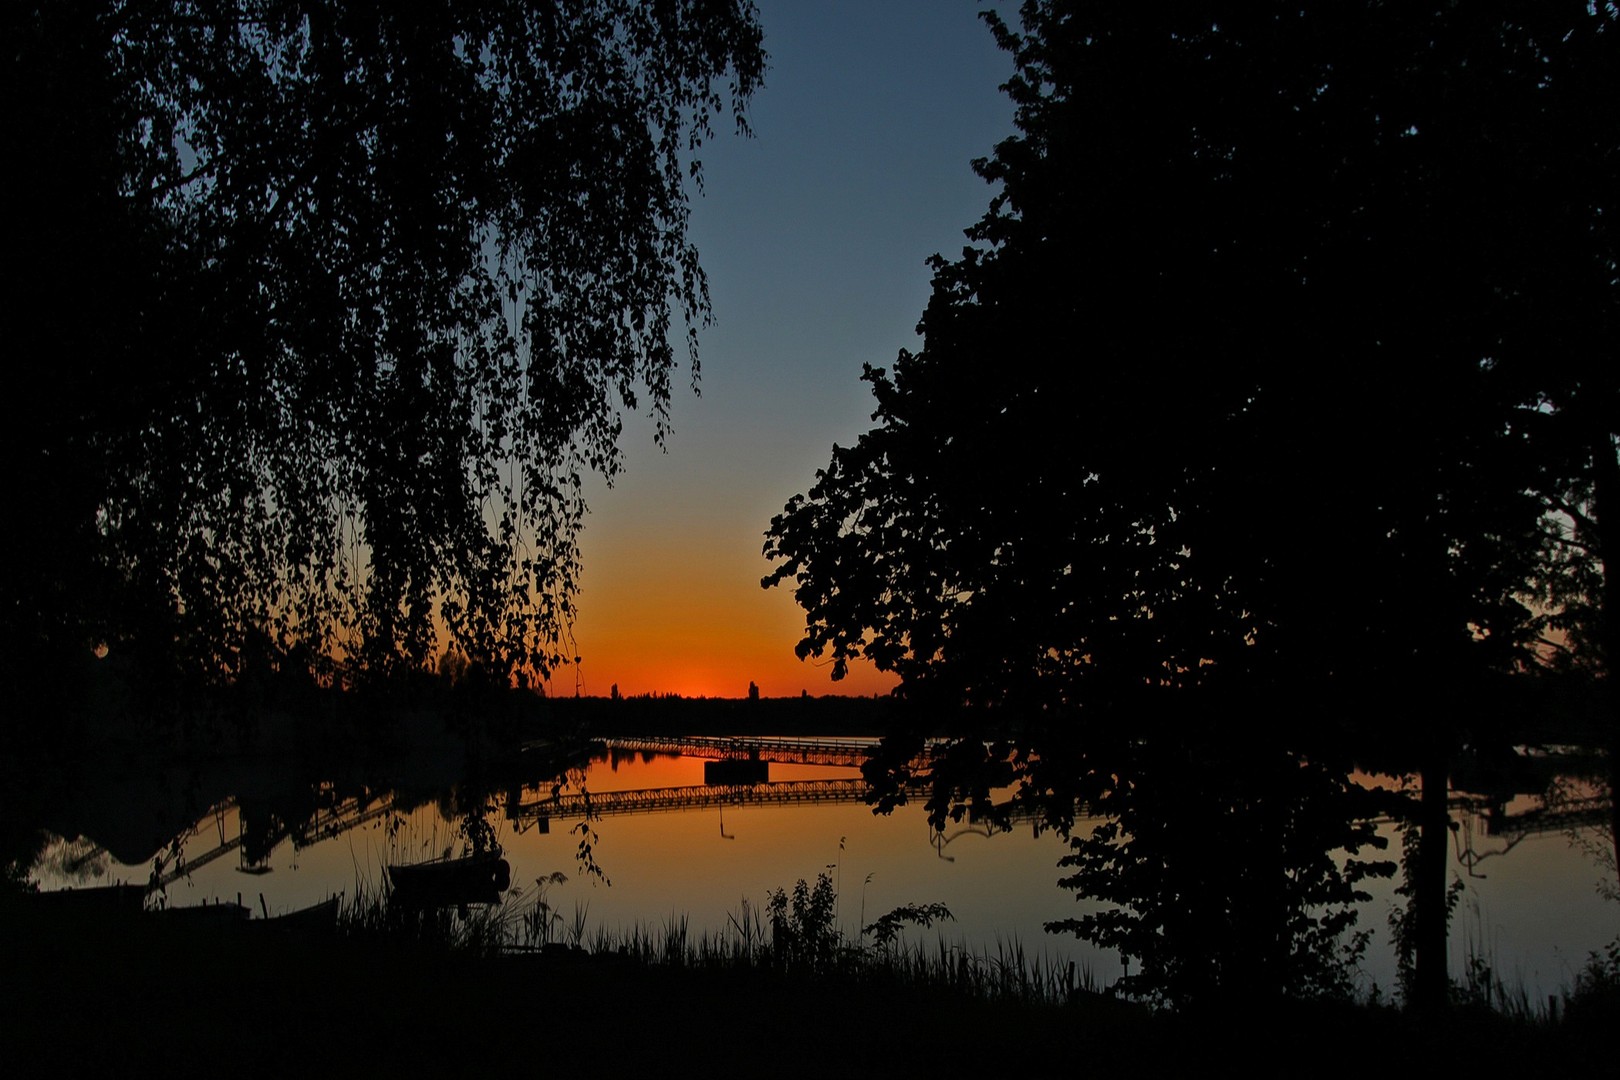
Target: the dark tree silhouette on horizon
(1237, 409)
(319, 313)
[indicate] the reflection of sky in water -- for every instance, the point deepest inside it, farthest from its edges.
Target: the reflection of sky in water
(1534, 915)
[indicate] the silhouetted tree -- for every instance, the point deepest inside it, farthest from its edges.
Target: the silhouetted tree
(1563, 355)
(326, 308)
(1227, 412)
(1220, 870)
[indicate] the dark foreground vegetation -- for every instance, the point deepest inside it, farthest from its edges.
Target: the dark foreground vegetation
(1335, 283)
(1257, 988)
(388, 994)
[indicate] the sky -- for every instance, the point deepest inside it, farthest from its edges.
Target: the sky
(815, 234)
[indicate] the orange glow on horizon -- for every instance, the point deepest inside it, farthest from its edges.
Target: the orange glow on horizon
(665, 616)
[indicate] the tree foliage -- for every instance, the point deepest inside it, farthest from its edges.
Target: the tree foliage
(329, 307)
(1226, 871)
(1243, 383)
(1273, 390)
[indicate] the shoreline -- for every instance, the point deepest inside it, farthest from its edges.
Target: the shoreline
(198, 1000)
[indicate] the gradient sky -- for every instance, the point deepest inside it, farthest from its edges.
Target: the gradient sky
(814, 234)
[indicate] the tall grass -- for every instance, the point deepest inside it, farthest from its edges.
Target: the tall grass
(792, 937)
(375, 914)
(1004, 973)
(793, 940)
(1481, 988)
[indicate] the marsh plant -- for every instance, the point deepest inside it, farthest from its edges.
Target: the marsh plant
(794, 934)
(1596, 995)
(478, 929)
(805, 936)
(540, 922)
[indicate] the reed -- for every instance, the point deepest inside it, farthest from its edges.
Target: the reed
(790, 936)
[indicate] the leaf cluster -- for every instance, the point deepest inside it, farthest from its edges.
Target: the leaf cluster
(804, 937)
(331, 306)
(1226, 876)
(1237, 386)
(886, 930)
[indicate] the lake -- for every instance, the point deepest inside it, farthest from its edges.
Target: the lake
(672, 845)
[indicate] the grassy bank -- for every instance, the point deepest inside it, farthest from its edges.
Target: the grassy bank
(437, 993)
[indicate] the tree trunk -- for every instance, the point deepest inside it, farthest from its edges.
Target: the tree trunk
(1606, 499)
(1432, 987)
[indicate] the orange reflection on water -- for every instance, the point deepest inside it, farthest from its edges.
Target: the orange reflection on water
(1528, 898)
(636, 771)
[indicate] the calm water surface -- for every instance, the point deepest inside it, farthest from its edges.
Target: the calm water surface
(1530, 907)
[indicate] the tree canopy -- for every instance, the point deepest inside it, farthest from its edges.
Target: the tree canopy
(326, 308)
(1244, 382)
(1273, 394)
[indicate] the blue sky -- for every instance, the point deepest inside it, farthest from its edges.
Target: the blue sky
(815, 235)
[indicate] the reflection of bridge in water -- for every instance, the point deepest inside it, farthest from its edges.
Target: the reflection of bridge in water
(1587, 812)
(343, 815)
(1568, 816)
(689, 797)
(744, 788)
(783, 750)
(340, 816)
(329, 821)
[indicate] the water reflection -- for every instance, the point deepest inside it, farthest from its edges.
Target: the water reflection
(1232, 868)
(1211, 868)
